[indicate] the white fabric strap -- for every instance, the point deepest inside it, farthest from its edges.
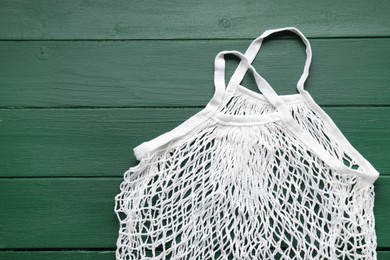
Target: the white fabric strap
(263, 85)
(254, 48)
(220, 90)
(288, 119)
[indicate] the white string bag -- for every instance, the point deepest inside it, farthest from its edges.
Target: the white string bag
(250, 176)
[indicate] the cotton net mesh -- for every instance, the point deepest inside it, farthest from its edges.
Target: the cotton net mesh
(245, 192)
(241, 104)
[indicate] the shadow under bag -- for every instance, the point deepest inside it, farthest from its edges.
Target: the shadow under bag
(250, 176)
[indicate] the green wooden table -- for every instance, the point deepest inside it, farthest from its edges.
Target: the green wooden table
(83, 82)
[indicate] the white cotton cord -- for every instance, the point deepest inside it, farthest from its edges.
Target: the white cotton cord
(250, 176)
(245, 192)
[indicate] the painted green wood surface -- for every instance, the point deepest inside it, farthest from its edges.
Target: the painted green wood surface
(151, 19)
(79, 212)
(83, 82)
(146, 73)
(59, 255)
(100, 142)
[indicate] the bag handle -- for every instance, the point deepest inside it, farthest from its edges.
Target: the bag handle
(263, 85)
(286, 116)
(254, 48)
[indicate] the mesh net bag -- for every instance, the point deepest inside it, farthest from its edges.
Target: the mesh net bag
(250, 176)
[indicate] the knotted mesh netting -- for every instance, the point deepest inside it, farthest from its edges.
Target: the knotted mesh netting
(245, 192)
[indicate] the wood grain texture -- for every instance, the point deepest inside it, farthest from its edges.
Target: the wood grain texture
(151, 19)
(58, 213)
(100, 142)
(58, 255)
(181, 73)
(79, 212)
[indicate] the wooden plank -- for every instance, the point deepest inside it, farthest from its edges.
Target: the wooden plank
(151, 19)
(58, 255)
(79, 213)
(58, 213)
(180, 73)
(383, 255)
(100, 142)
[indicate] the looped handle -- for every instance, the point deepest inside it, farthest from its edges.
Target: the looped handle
(254, 48)
(263, 85)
